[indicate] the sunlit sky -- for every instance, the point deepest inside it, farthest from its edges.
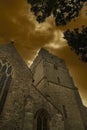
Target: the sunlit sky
(18, 23)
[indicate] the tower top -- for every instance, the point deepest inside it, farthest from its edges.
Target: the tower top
(52, 67)
(45, 55)
(42, 50)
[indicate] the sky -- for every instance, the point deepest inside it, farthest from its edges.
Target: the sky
(18, 23)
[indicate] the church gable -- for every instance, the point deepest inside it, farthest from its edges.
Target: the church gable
(23, 101)
(15, 81)
(43, 98)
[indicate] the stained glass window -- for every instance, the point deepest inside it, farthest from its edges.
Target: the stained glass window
(5, 80)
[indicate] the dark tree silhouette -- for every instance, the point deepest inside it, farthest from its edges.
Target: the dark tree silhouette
(77, 40)
(63, 11)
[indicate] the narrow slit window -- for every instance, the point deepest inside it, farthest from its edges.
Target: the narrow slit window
(55, 67)
(58, 80)
(64, 111)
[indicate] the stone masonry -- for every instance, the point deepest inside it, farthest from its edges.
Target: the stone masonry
(43, 97)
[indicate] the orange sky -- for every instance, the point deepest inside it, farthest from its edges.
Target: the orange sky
(18, 23)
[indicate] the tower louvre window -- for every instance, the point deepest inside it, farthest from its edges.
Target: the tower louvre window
(55, 67)
(64, 111)
(5, 80)
(58, 80)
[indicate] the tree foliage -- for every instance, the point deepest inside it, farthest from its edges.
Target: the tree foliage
(63, 11)
(77, 40)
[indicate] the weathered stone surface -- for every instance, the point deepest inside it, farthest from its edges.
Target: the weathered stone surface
(46, 87)
(54, 81)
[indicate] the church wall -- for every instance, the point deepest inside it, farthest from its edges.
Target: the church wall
(20, 85)
(38, 73)
(23, 99)
(54, 69)
(40, 89)
(57, 74)
(62, 96)
(37, 102)
(58, 87)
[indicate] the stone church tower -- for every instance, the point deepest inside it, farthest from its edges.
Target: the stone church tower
(43, 97)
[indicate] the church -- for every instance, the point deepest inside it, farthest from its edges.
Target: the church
(42, 97)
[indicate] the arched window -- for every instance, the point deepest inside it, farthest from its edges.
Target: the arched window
(5, 80)
(42, 120)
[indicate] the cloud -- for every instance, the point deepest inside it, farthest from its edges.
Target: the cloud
(58, 41)
(18, 23)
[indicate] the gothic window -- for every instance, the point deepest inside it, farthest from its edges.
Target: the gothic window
(42, 119)
(5, 80)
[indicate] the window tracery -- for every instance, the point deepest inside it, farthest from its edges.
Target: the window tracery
(42, 119)
(5, 80)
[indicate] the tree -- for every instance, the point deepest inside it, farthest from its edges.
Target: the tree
(63, 11)
(77, 40)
